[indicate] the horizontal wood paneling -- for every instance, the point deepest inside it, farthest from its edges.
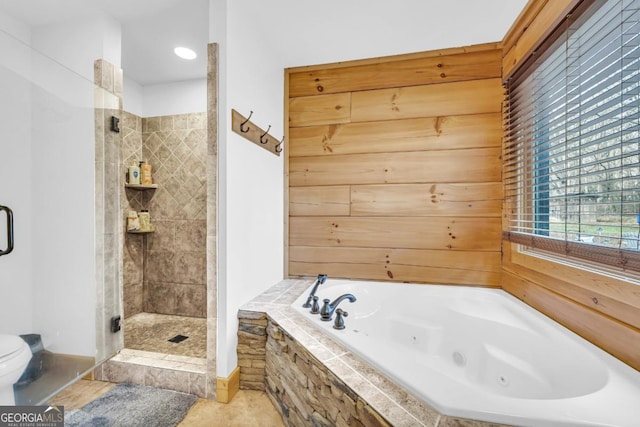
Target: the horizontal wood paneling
(320, 201)
(447, 99)
(480, 234)
(597, 292)
(608, 333)
(396, 58)
(595, 300)
(474, 199)
(404, 184)
(412, 265)
(320, 110)
(413, 72)
(473, 165)
(421, 134)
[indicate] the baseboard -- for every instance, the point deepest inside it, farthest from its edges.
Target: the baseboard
(226, 388)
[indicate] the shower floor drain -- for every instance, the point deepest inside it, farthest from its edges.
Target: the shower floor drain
(178, 338)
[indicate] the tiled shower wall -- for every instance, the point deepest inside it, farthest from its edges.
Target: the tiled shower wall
(165, 271)
(108, 102)
(130, 152)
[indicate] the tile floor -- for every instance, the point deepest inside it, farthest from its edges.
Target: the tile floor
(151, 332)
(248, 408)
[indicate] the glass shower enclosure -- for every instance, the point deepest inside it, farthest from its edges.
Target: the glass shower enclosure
(60, 285)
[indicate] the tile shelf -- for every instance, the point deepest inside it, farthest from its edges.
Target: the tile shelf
(150, 230)
(141, 186)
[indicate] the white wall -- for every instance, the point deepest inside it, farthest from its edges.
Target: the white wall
(15, 28)
(132, 96)
(73, 43)
(53, 119)
(300, 33)
(258, 40)
(63, 154)
(16, 288)
(250, 223)
(166, 99)
(63, 222)
(188, 96)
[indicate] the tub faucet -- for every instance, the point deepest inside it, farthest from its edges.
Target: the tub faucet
(326, 312)
(319, 281)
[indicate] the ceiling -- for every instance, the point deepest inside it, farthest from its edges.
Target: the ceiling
(151, 29)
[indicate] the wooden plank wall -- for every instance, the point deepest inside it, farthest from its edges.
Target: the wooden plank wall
(394, 168)
(603, 308)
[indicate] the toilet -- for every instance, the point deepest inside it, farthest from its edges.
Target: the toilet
(15, 354)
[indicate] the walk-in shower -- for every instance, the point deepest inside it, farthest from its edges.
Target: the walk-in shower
(164, 268)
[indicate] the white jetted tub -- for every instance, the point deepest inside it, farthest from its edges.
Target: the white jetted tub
(482, 354)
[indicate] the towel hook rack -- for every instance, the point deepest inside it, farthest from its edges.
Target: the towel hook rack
(262, 140)
(254, 133)
(242, 129)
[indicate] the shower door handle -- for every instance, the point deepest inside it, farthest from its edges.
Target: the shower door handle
(9, 231)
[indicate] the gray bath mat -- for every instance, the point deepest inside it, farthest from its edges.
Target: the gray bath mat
(133, 405)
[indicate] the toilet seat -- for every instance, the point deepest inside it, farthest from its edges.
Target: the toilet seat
(11, 347)
(15, 355)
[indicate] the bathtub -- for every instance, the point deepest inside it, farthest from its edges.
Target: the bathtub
(482, 354)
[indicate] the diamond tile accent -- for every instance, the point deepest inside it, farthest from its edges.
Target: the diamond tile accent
(173, 150)
(167, 270)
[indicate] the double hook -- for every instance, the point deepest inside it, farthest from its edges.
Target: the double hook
(278, 146)
(262, 140)
(242, 129)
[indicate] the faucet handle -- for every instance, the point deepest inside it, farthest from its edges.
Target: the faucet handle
(315, 308)
(339, 322)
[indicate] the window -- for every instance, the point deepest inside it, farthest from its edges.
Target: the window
(572, 155)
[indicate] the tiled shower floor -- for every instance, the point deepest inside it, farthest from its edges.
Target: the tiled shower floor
(151, 332)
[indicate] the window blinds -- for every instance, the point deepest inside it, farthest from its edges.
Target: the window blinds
(571, 149)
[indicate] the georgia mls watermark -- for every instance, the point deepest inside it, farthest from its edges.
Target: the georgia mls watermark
(31, 416)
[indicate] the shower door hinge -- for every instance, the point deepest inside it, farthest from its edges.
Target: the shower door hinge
(115, 122)
(116, 324)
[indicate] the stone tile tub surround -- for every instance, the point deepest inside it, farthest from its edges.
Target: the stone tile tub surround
(311, 379)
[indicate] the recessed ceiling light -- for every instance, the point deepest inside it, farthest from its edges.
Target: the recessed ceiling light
(185, 53)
